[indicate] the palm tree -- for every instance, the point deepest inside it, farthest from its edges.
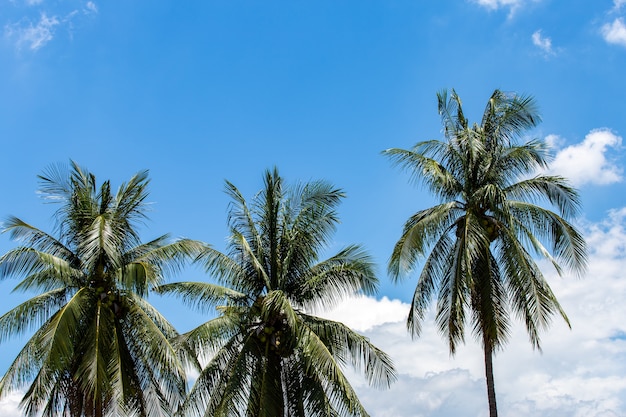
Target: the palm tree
(269, 357)
(479, 240)
(99, 348)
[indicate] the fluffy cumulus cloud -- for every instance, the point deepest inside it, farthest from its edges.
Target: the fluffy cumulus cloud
(9, 405)
(542, 42)
(372, 313)
(34, 33)
(615, 32)
(588, 162)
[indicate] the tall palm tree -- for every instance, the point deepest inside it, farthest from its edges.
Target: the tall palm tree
(269, 356)
(99, 348)
(479, 240)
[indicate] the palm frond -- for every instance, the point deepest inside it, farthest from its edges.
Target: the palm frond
(453, 297)
(202, 296)
(436, 267)
(420, 232)
(42, 270)
(318, 360)
(31, 313)
(328, 282)
(46, 355)
(568, 244)
(37, 239)
(224, 268)
(424, 168)
(92, 372)
(210, 336)
(150, 338)
(349, 347)
(206, 396)
(507, 115)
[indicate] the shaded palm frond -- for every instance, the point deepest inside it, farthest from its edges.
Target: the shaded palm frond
(32, 313)
(421, 231)
(323, 285)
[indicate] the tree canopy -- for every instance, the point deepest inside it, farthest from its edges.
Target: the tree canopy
(269, 355)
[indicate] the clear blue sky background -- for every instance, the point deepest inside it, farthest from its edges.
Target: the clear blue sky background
(199, 92)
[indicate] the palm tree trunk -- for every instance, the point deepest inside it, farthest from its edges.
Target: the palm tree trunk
(491, 387)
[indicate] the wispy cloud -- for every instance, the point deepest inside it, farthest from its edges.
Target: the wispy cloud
(543, 42)
(512, 5)
(587, 162)
(34, 36)
(615, 32)
(90, 7)
(496, 4)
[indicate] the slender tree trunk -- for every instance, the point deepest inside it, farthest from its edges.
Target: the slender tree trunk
(491, 388)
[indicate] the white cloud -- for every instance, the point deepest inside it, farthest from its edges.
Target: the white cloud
(9, 405)
(372, 312)
(554, 141)
(543, 43)
(615, 32)
(608, 238)
(33, 36)
(587, 162)
(617, 4)
(451, 393)
(496, 4)
(90, 7)
(513, 5)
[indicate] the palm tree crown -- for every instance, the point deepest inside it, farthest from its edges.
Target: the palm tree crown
(480, 239)
(98, 348)
(269, 356)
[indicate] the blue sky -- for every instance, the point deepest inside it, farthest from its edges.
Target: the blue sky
(200, 92)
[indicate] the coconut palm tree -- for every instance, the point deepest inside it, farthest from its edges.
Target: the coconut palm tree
(269, 356)
(98, 348)
(480, 240)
